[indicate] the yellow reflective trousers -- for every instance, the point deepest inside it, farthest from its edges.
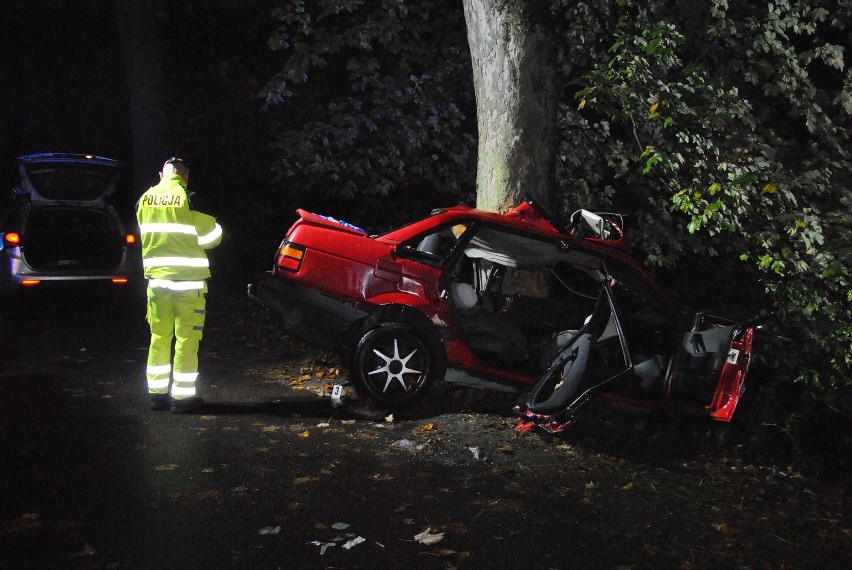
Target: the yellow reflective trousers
(174, 316)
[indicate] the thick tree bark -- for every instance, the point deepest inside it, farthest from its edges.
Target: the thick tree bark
(145, 84)
(513, 50)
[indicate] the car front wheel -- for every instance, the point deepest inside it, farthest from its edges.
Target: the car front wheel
(395, 364)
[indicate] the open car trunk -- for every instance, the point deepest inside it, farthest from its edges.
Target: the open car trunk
(71, 238)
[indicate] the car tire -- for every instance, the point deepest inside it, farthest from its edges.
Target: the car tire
(395, 364)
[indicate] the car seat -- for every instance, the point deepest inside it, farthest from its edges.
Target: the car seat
(563, 385)
(485, 331)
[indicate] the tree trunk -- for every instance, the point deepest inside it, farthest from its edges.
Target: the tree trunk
(136, 19)
(513, 50)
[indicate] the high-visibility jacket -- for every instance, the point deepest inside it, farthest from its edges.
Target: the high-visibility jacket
(174, 236)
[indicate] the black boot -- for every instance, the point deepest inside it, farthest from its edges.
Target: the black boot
(187, 406)
(160, 402)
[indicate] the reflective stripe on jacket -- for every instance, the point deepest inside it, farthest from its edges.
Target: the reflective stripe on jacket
(174, 236)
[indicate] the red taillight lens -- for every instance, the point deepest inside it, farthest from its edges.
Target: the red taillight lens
(11, 239)
(290, 256)
(130, 239)
(119, 280)
(30, 282)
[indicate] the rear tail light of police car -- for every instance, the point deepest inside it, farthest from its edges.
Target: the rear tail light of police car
(11, 239)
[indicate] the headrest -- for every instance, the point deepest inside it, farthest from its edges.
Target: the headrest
(464, 295)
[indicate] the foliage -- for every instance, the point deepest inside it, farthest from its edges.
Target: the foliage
(373, 104)
(724, 133)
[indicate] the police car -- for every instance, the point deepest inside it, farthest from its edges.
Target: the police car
(57, 227)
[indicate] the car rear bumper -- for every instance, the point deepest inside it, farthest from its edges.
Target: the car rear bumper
(17, 270)
(304, 313)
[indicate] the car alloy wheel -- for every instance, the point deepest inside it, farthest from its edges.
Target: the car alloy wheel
(393, 364)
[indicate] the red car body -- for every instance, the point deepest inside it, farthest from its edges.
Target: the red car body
(501, 297)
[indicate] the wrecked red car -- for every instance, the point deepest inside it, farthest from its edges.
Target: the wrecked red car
(564, 315)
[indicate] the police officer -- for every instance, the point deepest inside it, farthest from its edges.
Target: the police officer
(174, 239)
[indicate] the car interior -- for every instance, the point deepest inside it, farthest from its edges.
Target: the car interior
(520, 300)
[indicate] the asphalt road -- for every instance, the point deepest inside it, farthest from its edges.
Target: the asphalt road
(268, 475)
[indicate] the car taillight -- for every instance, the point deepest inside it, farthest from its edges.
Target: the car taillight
(290, 256)
(130, 239)
(30, 282)
(119, 280)
(11, 239)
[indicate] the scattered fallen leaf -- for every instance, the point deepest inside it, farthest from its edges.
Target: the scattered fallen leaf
(166, 467)
(340, 526)
(442, 552)
(423, 428)
(628, 487)
(323, 425)
(726, 529)
(305, 434)
(269, 530)
(389, 418)
(354, 542)
(299, 380)
(429, 537)
(590, 485)
(323, 545)
(506, 449)
(305, 479)
(270, 429)
(408, 445)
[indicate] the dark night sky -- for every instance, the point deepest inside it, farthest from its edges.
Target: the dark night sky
(63, 88)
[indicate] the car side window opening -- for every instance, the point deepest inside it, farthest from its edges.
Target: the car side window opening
(515, 296)
(649, 329)
(594, 356)
(434, 247)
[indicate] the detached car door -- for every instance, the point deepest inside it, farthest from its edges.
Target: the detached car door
(711, 364)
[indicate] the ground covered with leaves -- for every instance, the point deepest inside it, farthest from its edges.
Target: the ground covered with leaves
(271, 475)
(620, 490)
